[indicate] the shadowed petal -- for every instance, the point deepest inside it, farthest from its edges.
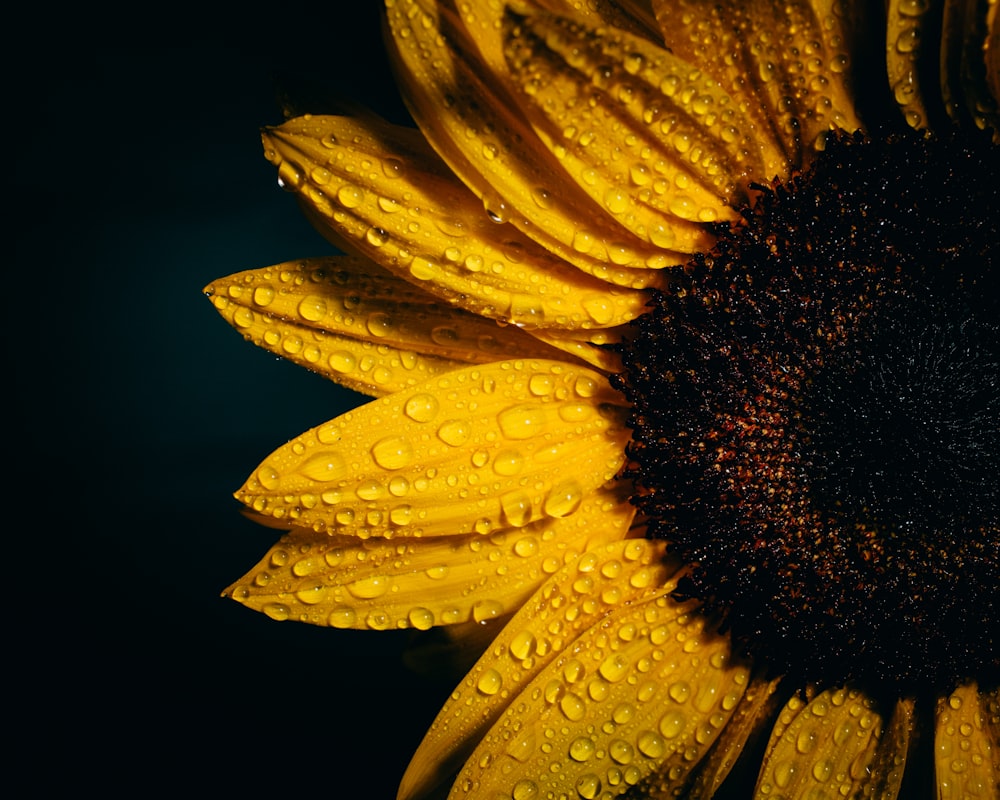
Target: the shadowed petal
(479, 449)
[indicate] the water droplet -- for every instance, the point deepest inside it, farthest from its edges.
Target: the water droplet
(263, 295)
(369, 588)
(564, 498)
(582, 748)
(508, 463)
(489, 682)
(671, 724)
(392, 452)
(522, 421)
(621, 751)
(516, 507)
(525, 790)
(324, 466)
(268, 477)
(454, 432)
(343, 617)
(522, 645)
(614, 667)
(572, 707)
(350, 196)
(311, 595)
(651, 744)
(485, 610)
(421, 618)
(277, 611)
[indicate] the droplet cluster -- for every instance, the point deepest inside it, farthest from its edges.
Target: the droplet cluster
(477, 450)
(599, 682)
(386, 194)
(345, 319)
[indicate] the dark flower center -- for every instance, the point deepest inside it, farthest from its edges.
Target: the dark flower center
(816, 416)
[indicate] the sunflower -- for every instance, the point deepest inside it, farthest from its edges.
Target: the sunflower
(680, 322)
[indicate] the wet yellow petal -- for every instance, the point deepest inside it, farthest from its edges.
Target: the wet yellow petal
(889, 764)
(965, 83)
(748, 720)
(385, 194)
(786, 64)
(646, 690)
(380, 584)
(473, 451)
(590, 347)
(966, 745)
(473, 122)
(610, 579)
(651, 138)
(344, 318)
(825, 745)
(906, 22)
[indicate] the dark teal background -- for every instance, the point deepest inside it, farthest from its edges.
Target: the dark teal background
(134, 411)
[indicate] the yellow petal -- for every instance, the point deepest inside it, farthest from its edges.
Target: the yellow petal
(347, 320)
(590, 347)
(966, 745)
(905, 25)
(825, 745)
(785, 63)
(479, 449)
(473, 122)
(382, 191)
(889, 764)
(646, 691)
(651, 138)
(618, 577)
(965, 83)
(380, 584)
(755, 707)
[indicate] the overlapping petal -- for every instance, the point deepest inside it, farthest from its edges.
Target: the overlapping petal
(472, 121)
(345, 318)
(599, 642)
(380, 583)
(785, 63)
(378, 189)
(643, 688)
(651, 138)
(476, 450)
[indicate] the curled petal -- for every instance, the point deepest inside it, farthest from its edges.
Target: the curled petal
(469, 117)
(906, 52)
(382, 192)
(380, 584)
(348, 320)
(826, 744)
(479, 449)
(967, 744)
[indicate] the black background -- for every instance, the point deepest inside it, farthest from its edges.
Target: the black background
(134, 411)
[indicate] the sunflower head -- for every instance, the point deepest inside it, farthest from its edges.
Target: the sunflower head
(683, 338)
(816, 413)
